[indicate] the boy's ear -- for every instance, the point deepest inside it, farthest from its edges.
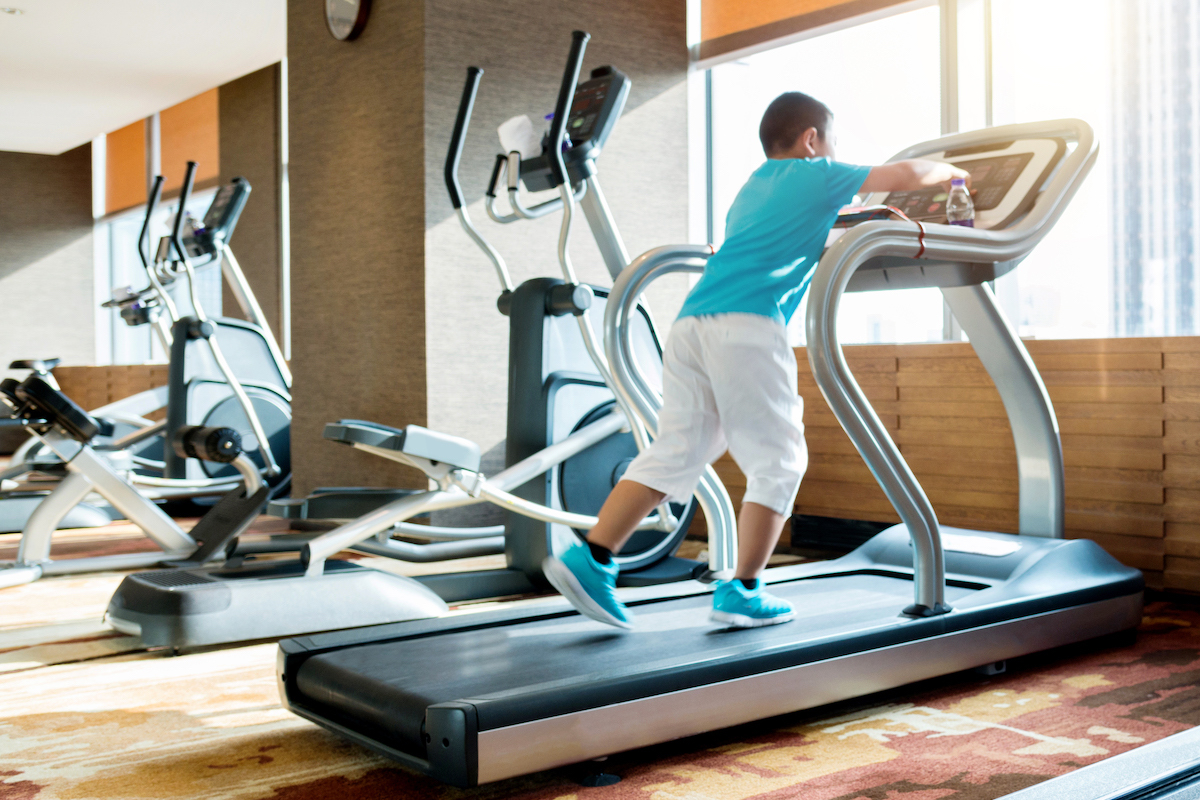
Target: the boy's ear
(808, 142)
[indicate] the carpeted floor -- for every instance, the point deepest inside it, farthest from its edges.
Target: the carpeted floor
(85, 713)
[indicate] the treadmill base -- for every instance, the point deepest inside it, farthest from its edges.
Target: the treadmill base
(559, 689)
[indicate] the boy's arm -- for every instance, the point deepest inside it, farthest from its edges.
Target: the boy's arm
(915, 173)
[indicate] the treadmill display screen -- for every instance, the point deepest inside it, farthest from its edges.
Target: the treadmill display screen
(991, 180)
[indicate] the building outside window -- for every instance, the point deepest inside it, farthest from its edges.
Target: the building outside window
(1156, 185)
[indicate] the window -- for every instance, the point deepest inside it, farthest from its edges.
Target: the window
(1123, 259)
(882, 81)
(1065, 286)
(1155, 181)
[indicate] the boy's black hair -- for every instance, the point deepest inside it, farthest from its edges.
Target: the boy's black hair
(788, 116)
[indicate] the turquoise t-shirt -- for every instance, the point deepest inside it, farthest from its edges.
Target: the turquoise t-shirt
(774, 235)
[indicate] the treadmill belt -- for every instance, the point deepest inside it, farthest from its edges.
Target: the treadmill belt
(558, 665)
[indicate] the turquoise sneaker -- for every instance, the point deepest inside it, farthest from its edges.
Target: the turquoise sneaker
(588, 584)
(739, 607)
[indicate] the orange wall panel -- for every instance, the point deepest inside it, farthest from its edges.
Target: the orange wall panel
(720, 18)
(190, 132)
(125, 167)
(723, 17)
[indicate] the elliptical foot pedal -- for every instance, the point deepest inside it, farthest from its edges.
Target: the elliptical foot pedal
(269, 600)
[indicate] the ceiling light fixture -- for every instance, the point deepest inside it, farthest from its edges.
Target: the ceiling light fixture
(12, 12)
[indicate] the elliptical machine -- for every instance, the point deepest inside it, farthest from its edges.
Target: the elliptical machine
(576, 425)
(557, 371)
(198, 391)
(247, 392)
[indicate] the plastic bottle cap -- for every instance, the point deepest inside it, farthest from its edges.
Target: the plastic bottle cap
(958, 182)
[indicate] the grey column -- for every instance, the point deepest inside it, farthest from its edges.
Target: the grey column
(249, 114)
(356, 134)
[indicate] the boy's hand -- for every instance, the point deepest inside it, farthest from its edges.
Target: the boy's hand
(915, 173)
(955, 172)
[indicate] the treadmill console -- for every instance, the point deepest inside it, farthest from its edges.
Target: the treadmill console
(1006, 177)
(595, 109)
(1005, 180)
(220, 219)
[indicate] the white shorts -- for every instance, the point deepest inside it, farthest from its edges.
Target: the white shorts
(729, 383)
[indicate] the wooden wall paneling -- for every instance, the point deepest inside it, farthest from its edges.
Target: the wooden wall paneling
(1144, 344)
(1173, 344)
(1114, 459)
(1182, 573)
(1099, 362)
(91, 387)
(190, 131)
(1131, 492)
(924, 405)
(931, 350)
(1003, 520)
(1182, 471)
(921, 422)
(982, 395)
(125, 167)
(1104, 393)
(1129, 417)
(1182, 539)
(1132, 551)
(1181, 437)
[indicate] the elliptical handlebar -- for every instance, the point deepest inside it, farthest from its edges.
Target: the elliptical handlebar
(562, 108)
(177, 231)
(144, 236)
(465, 107)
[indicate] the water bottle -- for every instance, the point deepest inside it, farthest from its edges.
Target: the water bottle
(959, 208)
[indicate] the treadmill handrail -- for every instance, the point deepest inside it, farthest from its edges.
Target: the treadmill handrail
(941, 243)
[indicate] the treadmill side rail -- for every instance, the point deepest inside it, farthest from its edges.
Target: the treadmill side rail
(571, 738)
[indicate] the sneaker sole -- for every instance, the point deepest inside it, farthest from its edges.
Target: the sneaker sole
(569, 587)
(743, 621)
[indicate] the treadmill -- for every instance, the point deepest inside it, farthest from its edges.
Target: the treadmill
(483, 697)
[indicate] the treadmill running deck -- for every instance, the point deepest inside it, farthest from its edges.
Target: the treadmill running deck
(515, 670)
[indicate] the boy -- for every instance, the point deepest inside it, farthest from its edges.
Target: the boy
(729, 376)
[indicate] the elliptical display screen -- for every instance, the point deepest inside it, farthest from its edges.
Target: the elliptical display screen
(216, 212)
(585, 109)
(991, 180)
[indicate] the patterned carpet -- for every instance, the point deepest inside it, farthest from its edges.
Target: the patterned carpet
(86, 714)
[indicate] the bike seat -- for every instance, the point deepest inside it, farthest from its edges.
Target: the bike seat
(36, 364)
(413, 440)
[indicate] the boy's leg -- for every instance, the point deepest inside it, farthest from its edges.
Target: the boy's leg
(585, 573)
(754, 380)
(689, 437)
(758, 533)
(627, 505)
